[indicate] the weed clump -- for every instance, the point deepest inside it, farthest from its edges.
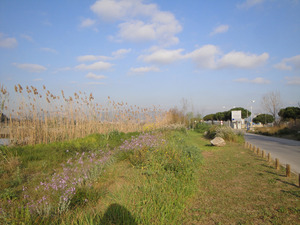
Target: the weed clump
(225, 132)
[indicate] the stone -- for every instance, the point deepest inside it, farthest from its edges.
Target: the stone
(218, 141)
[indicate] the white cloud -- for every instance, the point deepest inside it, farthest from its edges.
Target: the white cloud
(289, 63)
(112, 10)
(258, 80)
(115, 55)
(204, 57)
(163, 56)
(85, 58)
(94, 76)
(51, 50)
(7, 42)
(38, 79)
(250, 3)
(242, 60)
(95, 66)
(139, 22)
(207, 57)
(121, 52)
(27, 37)
(30, 67)
(220, 29)
(293, 80)
(137, 31)
(87, 23)
(140, 70)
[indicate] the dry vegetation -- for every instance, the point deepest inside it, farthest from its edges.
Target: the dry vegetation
(39, 116)
(287, 130)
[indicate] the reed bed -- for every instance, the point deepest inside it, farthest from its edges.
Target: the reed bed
(39, 116)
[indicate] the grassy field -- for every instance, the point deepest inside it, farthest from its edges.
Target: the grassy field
(238, 187)
(158, 177)
(118, 178)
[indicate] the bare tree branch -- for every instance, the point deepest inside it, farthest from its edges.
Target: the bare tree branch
(271, 102)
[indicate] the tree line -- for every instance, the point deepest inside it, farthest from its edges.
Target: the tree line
(285, 114)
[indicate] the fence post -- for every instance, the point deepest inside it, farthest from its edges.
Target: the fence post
(288, 170)
(269, 157)
(263, 154)
(253, 149)
(277, 164)
(257, 151)
(250, 146)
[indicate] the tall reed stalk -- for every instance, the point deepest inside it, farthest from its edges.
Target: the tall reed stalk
(39, 116)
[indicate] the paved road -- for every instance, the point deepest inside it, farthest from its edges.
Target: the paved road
(287, 151)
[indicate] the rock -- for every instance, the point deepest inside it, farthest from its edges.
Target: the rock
(218, 141)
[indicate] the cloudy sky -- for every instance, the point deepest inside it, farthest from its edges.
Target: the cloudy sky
(215, 54)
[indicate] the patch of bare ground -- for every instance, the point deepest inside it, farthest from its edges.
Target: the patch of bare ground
(207, 154)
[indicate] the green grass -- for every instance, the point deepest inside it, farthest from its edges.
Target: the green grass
(144, 185)
(162, 177)
(238, 187)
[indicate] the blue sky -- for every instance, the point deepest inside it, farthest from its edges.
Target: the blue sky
(215, 54)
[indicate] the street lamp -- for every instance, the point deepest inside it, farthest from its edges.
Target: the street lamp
(252, 101)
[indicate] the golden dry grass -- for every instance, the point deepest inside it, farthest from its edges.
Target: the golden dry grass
(39, 116)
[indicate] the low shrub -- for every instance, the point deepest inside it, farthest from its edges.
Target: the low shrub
(202, 127)
(225, 132)
(212, 131)
(287, 130)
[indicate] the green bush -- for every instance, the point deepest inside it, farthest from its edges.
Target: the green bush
(212, 131)
(202, 127)
(286, 131)
(227, 133)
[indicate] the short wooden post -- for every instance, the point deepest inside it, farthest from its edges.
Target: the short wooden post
(263, 154)
(246, 144)
(277, 164)
(299, 180)
(250, 147)
(253, 149)
(258, 151)
(288, 170)
(269, 157)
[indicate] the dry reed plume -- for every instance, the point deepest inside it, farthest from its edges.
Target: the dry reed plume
(35, 116)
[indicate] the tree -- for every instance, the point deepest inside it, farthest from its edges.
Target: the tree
(289, 113)
(264, 119)
(271, 102)
(227, 114)
(219, 116)
(209, 117)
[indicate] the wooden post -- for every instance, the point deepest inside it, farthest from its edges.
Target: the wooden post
(263, 154)
(269, 157)
(277, 164)
(288, 170)
(250, 147)
(254, 148)
(258, 151)
(299, 180)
